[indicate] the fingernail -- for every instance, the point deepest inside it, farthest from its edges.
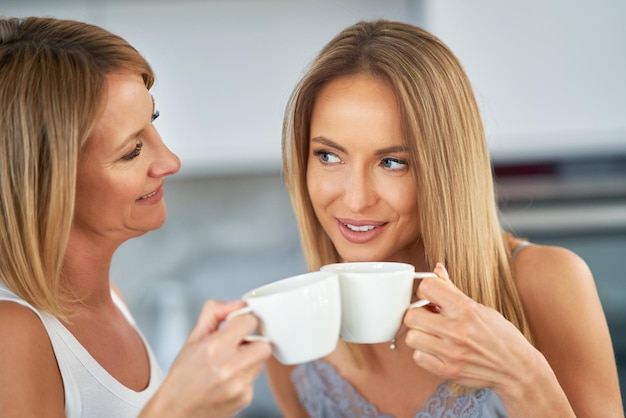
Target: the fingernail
(442, 267)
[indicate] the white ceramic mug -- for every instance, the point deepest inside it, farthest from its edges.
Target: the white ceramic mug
(300, 315)
(374, 298)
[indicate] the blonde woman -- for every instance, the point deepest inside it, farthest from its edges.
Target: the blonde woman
(82, 170)
(385, 160)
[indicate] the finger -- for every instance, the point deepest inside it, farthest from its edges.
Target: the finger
(439, 291)
(255, 353)
(441, 357)
(426, 349)
(450, 361)
(424, 342)
(441, 271)
(220, 349)
(429, 362)
(427, 320)
(233, 331)
(240, 363)
(212, 314)
(448, 304)
(242, 384)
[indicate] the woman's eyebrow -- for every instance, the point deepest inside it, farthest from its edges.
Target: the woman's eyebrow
(392, 150)
(328, 142)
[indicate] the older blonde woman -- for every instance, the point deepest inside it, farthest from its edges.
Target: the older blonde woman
(82, 170)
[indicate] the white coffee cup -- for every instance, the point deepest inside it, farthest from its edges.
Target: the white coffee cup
(374, 298)
(300, 315)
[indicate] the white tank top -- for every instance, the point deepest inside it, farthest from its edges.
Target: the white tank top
(90, 391)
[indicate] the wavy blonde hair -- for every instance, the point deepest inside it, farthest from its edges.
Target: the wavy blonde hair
(449, 157)
(52, 87)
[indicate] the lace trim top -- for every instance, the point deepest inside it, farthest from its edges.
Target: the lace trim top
(325, 394)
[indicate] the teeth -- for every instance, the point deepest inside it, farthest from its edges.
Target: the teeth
(148, 195)
(360, 228)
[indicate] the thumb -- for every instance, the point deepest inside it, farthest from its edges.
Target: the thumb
(212, 314)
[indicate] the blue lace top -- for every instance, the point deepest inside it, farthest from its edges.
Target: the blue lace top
(325, 394)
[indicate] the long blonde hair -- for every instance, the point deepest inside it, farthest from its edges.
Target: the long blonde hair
(449, 156)
(52, 86)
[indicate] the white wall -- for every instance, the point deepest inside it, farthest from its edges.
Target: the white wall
(225, 68)
(549, 74)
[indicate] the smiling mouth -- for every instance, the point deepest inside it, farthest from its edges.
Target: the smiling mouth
(360, 232)
(148, 195)
(359, 228)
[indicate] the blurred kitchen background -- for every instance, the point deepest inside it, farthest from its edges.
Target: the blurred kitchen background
(549, 76)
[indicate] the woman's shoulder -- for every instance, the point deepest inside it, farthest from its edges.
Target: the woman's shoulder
(539, 267)
(20, 324)
(558, 293)
(29, 375)
(551, 275)
(567, 322)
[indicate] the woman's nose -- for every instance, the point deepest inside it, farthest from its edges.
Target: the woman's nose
(359, 192)
(171, 163)
(165, 163)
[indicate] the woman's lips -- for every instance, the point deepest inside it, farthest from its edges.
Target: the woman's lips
(152, 197)
(360, 232)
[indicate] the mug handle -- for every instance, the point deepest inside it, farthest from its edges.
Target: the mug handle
(243, 311)
(422, 302)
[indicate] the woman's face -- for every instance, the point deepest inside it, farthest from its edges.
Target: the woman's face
(358, 177)
(119, 192)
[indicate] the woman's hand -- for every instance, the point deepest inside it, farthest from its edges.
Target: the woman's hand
(472, 345)
(214, 373)
(463, 341)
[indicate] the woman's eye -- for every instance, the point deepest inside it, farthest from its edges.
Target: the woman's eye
(134, 153)
(326, 157)
(155, 115)
(393, 163)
